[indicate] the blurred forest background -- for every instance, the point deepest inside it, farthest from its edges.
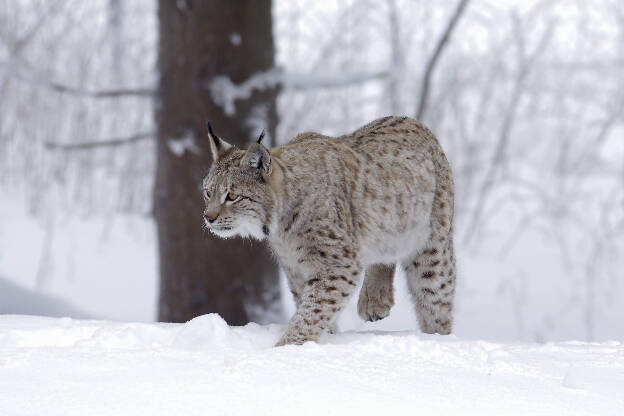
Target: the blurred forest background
(102, 147)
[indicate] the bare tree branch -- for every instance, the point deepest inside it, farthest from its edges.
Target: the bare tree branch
(101, 143)
(114, 93)
(34, 29)
(66, 89)
(525, 65)
(396, 57)
(424, 90)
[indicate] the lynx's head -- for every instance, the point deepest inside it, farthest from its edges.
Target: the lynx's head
(237, 189)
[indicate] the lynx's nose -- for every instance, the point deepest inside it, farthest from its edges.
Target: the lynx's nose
(210, 216)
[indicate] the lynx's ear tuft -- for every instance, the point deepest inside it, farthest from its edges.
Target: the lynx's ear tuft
(261, 137)
(218, 146)
(257, 158)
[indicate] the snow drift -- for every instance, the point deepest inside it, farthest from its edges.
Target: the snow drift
(69, 367)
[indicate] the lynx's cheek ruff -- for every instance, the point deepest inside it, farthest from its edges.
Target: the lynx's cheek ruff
(244, 229)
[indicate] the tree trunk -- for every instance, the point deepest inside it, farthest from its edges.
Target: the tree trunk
(200, 39)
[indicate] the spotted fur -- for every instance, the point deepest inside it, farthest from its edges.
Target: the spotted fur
(334, 208)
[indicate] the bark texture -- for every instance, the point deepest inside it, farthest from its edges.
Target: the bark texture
(201, 39)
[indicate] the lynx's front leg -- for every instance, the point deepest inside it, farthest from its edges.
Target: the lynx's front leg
(323, 296)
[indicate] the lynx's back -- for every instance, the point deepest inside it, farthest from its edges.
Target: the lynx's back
(383, 175)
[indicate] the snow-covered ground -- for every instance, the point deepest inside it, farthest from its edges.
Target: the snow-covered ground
(67, 367)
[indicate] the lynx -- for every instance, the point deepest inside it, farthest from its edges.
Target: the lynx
(333, 209)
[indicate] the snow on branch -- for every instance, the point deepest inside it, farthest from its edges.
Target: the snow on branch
(224, 92)
(66, 89)
(101, 143)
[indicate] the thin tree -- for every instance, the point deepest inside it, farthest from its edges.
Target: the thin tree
(435, 57)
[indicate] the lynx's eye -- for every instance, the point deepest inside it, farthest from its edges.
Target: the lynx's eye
(206, 194)
(232, 197)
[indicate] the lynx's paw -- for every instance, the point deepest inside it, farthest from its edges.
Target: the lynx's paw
(374, 305)
(286, 340)
(297, 335)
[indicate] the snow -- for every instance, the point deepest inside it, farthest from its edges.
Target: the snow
(224, 92)
(235, 39)
(179, 146)
(70, 367)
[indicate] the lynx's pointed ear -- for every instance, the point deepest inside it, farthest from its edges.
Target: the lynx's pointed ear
(218, 146)
(258, 158)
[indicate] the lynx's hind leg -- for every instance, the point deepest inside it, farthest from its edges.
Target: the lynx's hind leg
(431, 281)
(377, 295)
(431, 271)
